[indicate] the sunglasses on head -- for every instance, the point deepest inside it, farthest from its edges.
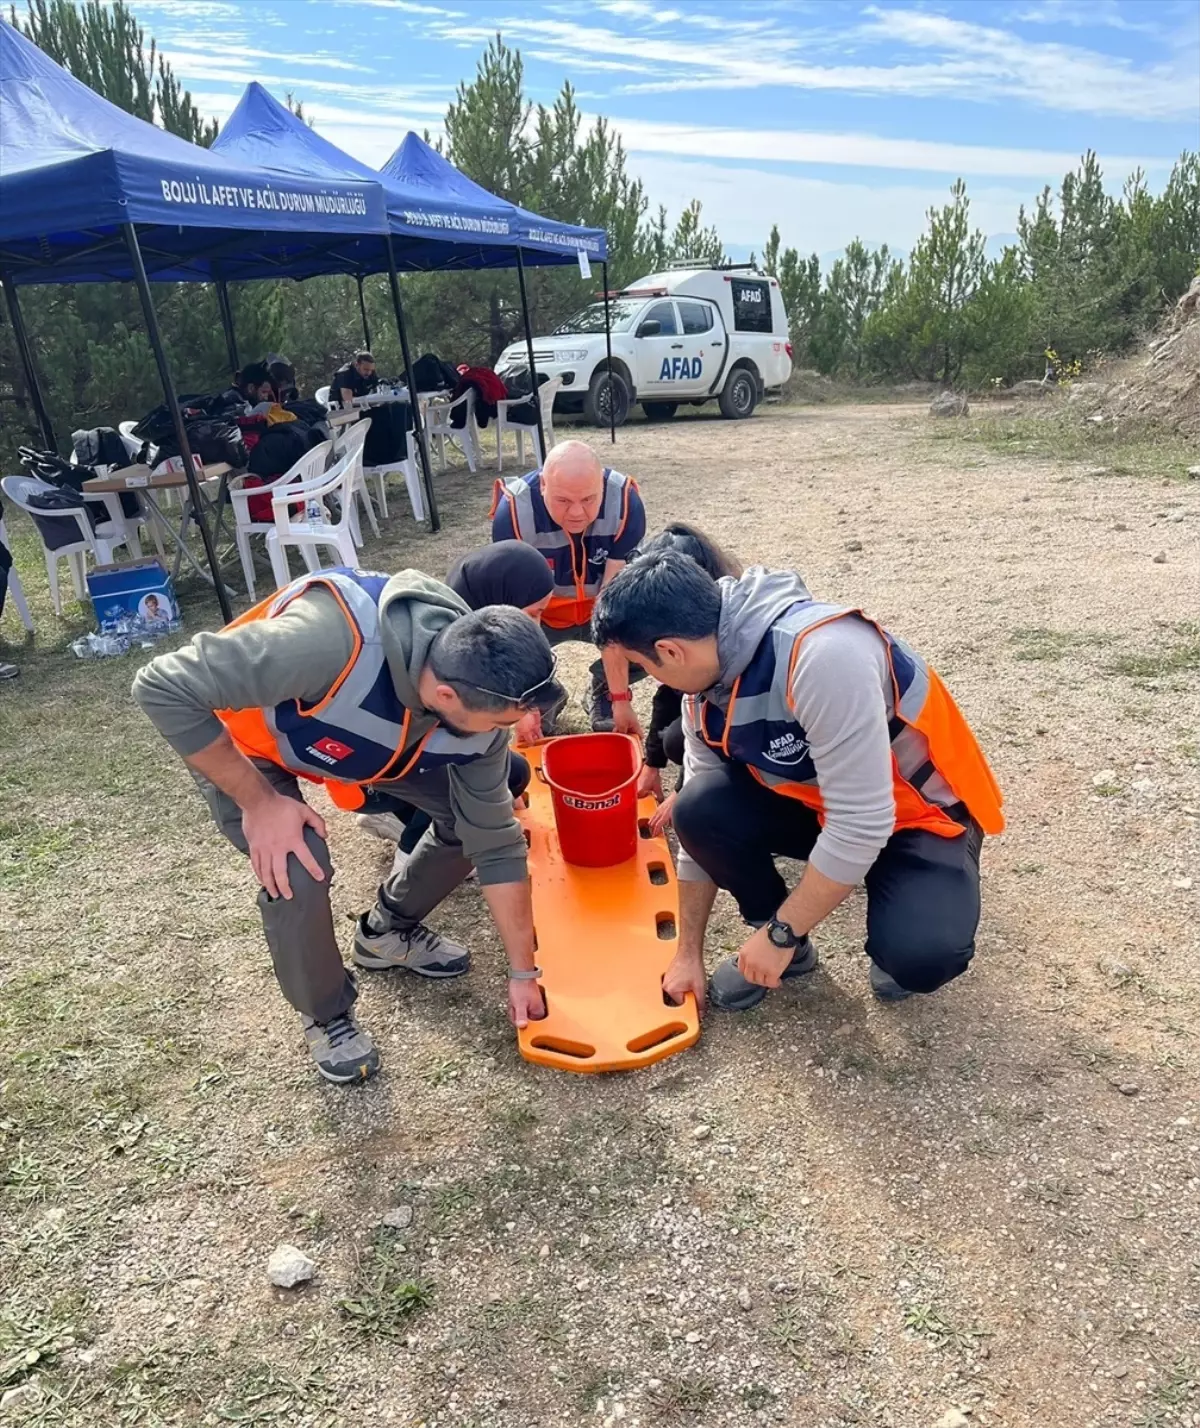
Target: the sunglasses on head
(529, 698)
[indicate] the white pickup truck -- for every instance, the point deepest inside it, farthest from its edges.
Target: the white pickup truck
(689, 335)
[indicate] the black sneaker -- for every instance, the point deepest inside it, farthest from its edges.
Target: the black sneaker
(886, 987)
(342, 1050)
(728, 990)
(600, 712)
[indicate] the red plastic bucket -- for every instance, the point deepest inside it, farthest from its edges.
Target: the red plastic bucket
(593, 785)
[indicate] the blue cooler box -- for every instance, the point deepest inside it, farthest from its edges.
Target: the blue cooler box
(137, 594)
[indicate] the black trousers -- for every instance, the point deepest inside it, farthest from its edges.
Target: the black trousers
(415, 821)
(922, 890)
(6, 562)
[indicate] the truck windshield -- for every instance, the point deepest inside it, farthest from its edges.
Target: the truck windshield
(591, 318)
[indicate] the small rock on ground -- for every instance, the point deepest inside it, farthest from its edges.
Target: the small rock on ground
(289, 1266)
(702, 1132)
(1194, 472)
(398, 1218)
(1161, 558)
(28, 1395)
(949, 404)
(952, 1418)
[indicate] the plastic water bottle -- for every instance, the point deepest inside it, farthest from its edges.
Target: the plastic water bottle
(314, 511)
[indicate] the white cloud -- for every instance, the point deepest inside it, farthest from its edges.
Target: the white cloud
(1082, 15)
(855, 150)
(973, 62)
(814, 215)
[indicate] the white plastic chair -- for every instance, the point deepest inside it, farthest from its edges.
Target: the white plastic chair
(310, 466)
(350, 442)
(322, 395)
(99, 543)
(308, 536)
(546, 394)
(15, 588)
(439, 426)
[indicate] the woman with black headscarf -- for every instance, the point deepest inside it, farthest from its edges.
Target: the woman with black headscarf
(508, 572)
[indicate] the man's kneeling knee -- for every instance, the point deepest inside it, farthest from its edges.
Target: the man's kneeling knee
(919, 963)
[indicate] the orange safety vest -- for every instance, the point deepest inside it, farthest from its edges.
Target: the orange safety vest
(359, 732)
(577, 565)
(938, 768)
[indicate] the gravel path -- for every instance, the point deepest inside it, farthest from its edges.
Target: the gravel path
(979, 1208)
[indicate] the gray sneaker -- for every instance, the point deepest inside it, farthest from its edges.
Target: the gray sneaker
(418, 949)
(728, 990)
(886, 988)
(343, 1051)
(381, 825)
(8, 671)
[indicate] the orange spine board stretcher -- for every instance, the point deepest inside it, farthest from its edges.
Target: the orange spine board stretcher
(603, 946)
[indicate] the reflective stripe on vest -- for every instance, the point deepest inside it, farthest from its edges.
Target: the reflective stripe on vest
(575, 590)
(936, 761)
(358, 733)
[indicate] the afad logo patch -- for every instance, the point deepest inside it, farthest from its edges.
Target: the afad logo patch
(787, 749)
(330, 751)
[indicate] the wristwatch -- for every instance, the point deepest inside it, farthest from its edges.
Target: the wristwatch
(782, 934)
(626, 698)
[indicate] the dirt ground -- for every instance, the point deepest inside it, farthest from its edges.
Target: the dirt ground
(980, 1207)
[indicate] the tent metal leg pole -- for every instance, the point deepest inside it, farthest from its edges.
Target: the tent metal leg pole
(612, 405)
(172, 400)
(362, 312)
(435, 520)
(26, 355)
(533, 381)
(227, 323)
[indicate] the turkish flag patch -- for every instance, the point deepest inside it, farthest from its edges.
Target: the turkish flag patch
(333, 748)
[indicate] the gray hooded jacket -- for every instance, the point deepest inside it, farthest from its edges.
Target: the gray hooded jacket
(298, 655)
(843, 698)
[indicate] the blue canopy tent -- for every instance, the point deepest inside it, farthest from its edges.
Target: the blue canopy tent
(419, 169)
(89, 193)
(438, 219)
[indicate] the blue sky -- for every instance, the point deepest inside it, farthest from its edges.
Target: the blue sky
(832, 119)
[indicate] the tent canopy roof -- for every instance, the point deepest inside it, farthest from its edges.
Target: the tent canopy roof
(422, 170)
(438, 217)
(74, 168)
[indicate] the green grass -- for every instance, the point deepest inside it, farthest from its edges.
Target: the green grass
(1037, 642)
(1059, 434)
(1180, 655)
(386, 1292)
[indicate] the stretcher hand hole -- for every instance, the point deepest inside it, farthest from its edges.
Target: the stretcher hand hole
(665, 922)
(657, 873)
(658, 1037)
(576, 1049)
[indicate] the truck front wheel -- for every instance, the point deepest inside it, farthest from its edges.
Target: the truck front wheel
(608, 399)
(660, 411)
(740, 396)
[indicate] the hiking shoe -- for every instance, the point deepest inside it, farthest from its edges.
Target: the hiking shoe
(886, 988)
(381, 825)
(600, 713)
(417, 949)
(8, 671)
(343, 1051)
(728, 990)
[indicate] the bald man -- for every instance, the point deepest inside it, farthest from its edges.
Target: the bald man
(586, 520)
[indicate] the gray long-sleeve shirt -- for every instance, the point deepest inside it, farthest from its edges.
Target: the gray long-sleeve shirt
(843, 698)
(298, 654)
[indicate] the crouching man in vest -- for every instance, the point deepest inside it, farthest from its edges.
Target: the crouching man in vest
(585, 520)
(359, 681)
(811, 733)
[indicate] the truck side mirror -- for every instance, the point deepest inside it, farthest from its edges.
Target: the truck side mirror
(650, 328)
